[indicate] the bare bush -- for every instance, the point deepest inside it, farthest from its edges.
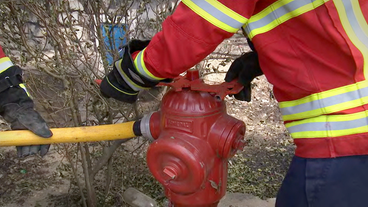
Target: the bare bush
(61, 47)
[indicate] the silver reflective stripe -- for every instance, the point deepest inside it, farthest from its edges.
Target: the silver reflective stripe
(328, 126)
(218, 14)
(276, 14)
(141, 68)
(361, 35)
(5, 63)
(135, 76)
(125, 77)
(325, 102)
(359, 32)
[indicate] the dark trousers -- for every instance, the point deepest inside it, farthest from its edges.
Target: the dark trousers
(333, 182)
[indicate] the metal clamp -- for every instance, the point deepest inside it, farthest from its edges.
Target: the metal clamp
(145, 126)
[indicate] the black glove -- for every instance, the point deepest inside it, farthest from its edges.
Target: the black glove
(16, 107)
(245, 68)
(125, 80)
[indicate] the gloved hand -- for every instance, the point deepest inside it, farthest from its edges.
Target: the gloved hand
(245, 68)
(126, 80)
(16, 107)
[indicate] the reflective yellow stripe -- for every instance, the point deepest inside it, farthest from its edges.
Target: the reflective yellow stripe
(278, 13)
(355, 26)
(121, 91)
(325, 94)
(5, 63)
(326, 102)
(24, 88)
(217, 14)
(341, 98)
(127, 80)
(141, 67)
(330, 126)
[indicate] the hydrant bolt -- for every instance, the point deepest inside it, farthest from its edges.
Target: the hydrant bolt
(169, 171)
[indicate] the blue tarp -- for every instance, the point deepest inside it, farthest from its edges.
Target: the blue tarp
(114, 38)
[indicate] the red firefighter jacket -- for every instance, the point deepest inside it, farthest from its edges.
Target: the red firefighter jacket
(314, 52)
(5, 62)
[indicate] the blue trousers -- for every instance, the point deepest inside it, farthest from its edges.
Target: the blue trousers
(331, 182)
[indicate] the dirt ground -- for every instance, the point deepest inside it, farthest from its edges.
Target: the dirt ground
(257, 170)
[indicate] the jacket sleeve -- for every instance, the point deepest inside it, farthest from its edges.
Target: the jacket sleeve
(194, 30)
(1, 53)
(5, 62)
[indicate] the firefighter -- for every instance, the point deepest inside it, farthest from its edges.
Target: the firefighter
(17, 108)
(315, 54)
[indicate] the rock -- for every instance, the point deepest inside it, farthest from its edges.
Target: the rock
(138, 199)
(245, 200)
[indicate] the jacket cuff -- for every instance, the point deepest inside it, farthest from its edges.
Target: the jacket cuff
(140, 65)
(5, 63)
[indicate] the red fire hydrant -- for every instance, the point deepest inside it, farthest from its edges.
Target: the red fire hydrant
(194, 138)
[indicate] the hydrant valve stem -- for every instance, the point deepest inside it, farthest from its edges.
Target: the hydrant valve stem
(170, 172)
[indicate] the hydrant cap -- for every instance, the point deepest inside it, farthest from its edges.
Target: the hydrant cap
(191, 103)
(176, 164)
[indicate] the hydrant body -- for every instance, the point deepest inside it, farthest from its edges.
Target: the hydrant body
(194, 138)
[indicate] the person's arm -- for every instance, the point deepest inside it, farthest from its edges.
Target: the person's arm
(5, 62)
(194, 30)
(17, 108)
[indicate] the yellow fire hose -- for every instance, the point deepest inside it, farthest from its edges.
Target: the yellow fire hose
(69, 135)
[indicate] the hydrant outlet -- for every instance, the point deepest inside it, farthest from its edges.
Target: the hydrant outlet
(149, 125)
(178, 164)
(239, 144)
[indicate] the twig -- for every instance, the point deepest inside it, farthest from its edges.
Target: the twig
(106, 156)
